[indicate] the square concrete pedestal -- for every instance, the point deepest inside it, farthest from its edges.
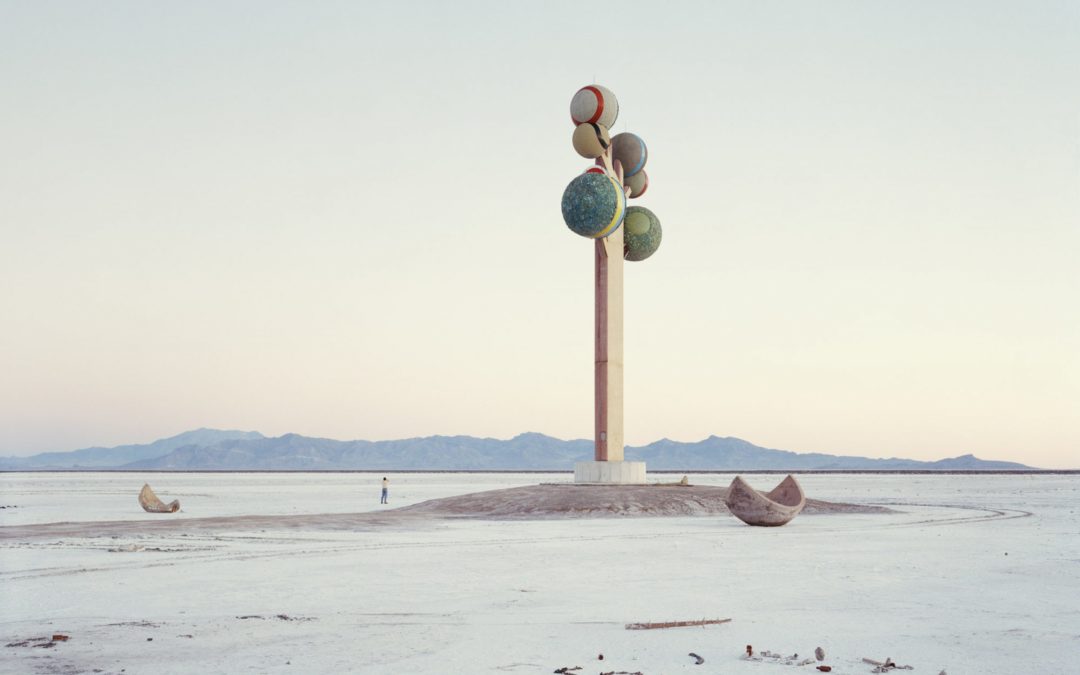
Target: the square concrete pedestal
(618, 473)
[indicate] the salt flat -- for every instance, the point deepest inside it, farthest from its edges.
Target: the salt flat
(968, 574)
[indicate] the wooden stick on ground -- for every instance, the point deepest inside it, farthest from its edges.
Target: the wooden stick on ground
(674, 624)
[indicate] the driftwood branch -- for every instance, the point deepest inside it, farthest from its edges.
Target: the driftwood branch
(674, 624)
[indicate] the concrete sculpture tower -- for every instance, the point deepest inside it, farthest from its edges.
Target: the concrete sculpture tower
(594, 205)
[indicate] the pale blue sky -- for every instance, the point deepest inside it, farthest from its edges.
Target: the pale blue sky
(342, 219)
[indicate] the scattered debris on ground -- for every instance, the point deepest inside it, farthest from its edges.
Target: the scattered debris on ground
(885, 666)
(674, 624)
(697, 659)
(685, 482)
(32, 642)
(130, 548)
(567, 669)
(790, 660)
(138, 548)
(42, 642)
(280, 617)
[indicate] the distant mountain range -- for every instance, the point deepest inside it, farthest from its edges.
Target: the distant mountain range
(216, 450)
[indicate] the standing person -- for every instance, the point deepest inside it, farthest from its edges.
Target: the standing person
(385, 490)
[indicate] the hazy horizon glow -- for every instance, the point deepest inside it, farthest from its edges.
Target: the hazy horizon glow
(342, 220)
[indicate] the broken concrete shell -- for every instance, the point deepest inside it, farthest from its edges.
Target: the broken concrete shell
(151, 504)
(773, 509)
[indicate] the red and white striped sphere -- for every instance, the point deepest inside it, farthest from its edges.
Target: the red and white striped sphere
(594, 104)
(595, 169)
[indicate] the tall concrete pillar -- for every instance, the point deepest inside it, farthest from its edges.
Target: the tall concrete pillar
(609, 466)
(609, 348)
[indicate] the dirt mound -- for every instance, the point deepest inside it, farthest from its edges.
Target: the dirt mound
(533, 502)
(568, 500)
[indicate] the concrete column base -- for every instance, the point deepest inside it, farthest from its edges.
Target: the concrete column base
(619, 473)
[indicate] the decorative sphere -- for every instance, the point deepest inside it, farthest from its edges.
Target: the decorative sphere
(642, 233)
(594, 104)
(591, 140)
(593, 205)
(638, 184)
(629, 149)
(596, 169)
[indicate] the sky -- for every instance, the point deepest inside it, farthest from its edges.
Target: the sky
(342, 219)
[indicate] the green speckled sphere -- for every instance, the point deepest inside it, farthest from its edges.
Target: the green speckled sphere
(593, 205)
(641, 233)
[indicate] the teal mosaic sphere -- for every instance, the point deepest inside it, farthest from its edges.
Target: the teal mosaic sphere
(593, 205)
(641, 234)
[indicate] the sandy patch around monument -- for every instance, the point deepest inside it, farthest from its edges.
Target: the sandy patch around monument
(535, 502)
(568, 500)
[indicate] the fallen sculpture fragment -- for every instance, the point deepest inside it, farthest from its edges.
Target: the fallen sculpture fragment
(697, 659)
(773, 509)
(151, 504)
(674, 624)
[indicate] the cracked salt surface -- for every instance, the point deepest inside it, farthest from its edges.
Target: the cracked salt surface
(968, 574)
